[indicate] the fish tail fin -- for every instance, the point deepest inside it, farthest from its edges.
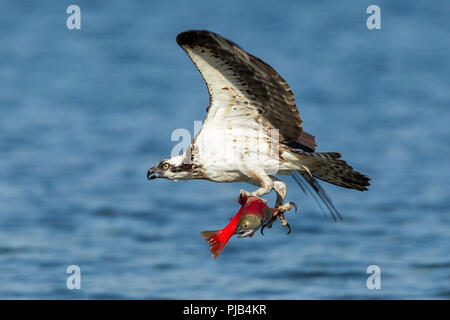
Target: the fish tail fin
(217, 240)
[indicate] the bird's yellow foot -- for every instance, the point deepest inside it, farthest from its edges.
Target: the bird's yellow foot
(279, 212)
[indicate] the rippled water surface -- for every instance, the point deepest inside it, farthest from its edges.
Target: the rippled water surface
(84, 114)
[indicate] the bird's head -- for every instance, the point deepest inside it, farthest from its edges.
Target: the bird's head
(173, 168)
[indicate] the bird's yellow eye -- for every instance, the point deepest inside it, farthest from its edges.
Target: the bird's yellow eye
(166, 166)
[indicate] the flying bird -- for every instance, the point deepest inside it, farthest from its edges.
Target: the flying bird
(252, 130)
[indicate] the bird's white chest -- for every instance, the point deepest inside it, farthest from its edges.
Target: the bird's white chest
(224, 152)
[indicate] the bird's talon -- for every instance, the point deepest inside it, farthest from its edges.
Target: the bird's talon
(289, 228)
(294, 205)
(243, 195)
(305, 168)
(262, 229)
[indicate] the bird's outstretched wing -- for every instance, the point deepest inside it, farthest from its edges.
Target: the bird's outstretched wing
(244, 90)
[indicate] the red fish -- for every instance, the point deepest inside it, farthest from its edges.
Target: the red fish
(251, 207)
(256, 214)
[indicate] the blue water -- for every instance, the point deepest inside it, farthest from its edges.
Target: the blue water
(85, 113)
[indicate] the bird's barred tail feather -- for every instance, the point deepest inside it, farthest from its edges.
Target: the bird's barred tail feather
(328, 167)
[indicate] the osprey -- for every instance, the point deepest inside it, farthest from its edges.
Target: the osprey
(252, 130)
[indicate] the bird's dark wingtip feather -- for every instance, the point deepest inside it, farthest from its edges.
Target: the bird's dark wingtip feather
(317, 192)
(190, 37)
(201, 38)
(299, 182)
(364, 182)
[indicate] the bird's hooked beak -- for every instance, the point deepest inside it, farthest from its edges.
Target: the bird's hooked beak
(152, 173)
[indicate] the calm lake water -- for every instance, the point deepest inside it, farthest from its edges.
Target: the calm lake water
(85, 113)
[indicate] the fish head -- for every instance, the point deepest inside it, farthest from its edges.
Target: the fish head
(248, 224)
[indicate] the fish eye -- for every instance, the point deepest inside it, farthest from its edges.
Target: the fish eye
(244, 225)
(166, 166)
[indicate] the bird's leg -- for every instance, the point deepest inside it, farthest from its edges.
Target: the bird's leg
(267, 183)
(281, 190)
(280, 208)
(264, 181)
